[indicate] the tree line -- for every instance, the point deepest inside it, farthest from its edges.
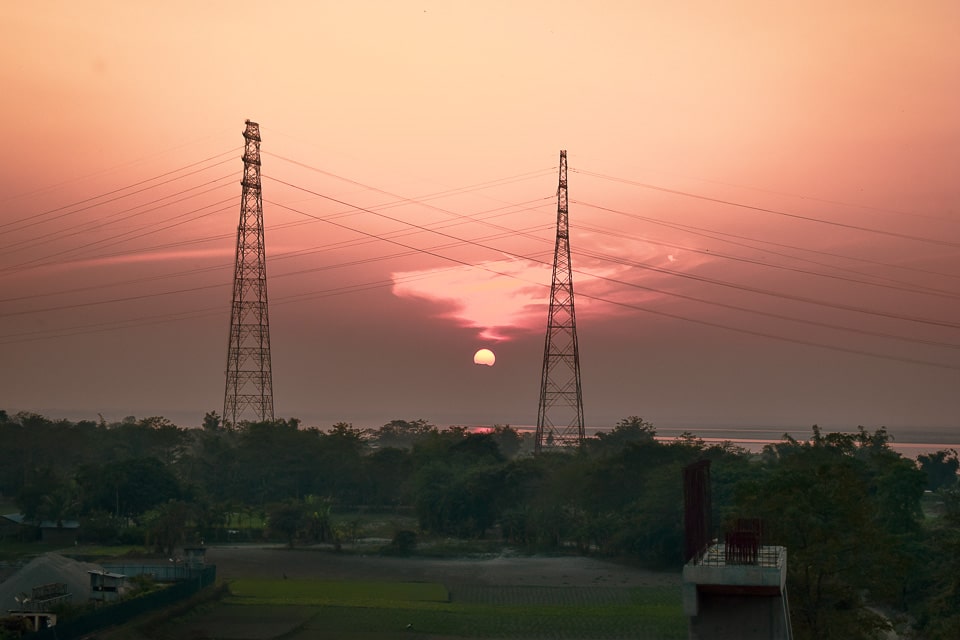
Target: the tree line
(867, 530)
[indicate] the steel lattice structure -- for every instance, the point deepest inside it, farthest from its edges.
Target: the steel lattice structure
(560, 415)
(696, 509)
(249, 389)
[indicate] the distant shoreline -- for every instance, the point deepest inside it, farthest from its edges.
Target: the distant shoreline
(917, 442)
(908, 442)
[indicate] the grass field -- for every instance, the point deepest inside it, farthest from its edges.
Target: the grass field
(259, 609)
(11, 551)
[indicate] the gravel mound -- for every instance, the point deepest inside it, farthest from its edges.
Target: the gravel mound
(46, 569)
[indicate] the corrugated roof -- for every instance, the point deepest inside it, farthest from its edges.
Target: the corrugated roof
(44, 524)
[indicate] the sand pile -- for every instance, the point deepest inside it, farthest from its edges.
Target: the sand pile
(46, 569)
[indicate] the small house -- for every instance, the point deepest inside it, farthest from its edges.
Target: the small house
(106, 586)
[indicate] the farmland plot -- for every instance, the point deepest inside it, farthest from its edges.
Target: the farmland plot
(302, 609)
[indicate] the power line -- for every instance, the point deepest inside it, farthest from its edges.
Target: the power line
(113, 168)
(904, 287)
(31, 264)
(124, 188)
(93, 303)
(544, 263)
(273, 257)
(412, 250)
(457, 241)
(430, 196)
(796, 216)
(85, 228)
(665, 314)
(758, 290)
(131, 323)
(841, 203)
(787, 296)
(725, 235)
(767, 314)
(374, 211)
(772, 336)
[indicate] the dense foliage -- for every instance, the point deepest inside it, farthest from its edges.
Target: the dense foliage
(847, 506)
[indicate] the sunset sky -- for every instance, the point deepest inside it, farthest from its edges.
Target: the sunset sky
(764, 207)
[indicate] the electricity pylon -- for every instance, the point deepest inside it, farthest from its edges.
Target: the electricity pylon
(249, 391)
(560, 415)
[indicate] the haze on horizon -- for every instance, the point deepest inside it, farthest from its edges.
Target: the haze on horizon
(763, 208)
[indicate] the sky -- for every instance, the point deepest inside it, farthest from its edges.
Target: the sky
(763, 200)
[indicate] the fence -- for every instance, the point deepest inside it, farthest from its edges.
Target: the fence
(170, 572)
(716, 555)
(126, 610)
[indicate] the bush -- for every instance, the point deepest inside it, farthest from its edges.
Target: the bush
(133, 536)
(403, 544)
(100, 527)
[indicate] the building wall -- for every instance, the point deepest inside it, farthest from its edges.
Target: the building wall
(728, 617)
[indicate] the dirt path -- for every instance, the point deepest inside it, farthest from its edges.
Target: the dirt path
(259, 562)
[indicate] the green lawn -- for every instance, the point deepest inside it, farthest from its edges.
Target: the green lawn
(316, 592)
(372, 610)
(11, 550)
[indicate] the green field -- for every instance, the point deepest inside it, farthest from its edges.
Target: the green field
(354, 594)
(301, 609)
(12, 551)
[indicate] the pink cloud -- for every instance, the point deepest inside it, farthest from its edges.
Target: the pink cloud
(502, 298)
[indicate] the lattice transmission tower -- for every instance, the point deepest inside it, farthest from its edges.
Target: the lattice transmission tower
(560, 415)
(249, 391)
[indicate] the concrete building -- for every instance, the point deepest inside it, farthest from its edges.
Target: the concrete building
(737, 591)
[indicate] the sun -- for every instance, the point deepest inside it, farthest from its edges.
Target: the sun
(484, 357)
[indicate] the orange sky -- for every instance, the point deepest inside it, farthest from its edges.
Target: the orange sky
(836, 122)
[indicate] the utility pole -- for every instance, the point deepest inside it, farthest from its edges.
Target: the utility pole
(560, 415)
(249, 389)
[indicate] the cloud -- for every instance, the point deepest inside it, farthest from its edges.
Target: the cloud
(502, 298)
(496, 298)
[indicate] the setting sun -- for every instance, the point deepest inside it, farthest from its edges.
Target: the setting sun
(484, 357)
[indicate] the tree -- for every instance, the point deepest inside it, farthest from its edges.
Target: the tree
(166, 525)
(278, 461)
(212, 421)
(940, 611)
(388, 474)
(128, 488)
(403, 434)
(288, 519)
(816, 507)
(458, 500)
(508, 439)
(101, 527)
(628, 430)
(338, 467)
(844, 506)
(31, 497)
(319, 520)
(149, 437)
(940, 468)
(60, 504)
(474, 449)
